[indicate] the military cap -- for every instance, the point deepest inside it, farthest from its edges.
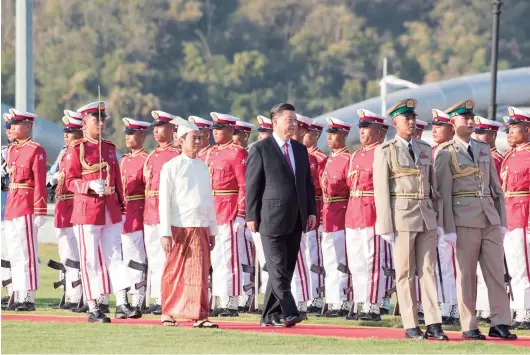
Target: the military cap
(462, 108)
(405, 106)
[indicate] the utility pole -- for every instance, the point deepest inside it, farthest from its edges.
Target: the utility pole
(25, 82)
(383, 88)
(494, 53)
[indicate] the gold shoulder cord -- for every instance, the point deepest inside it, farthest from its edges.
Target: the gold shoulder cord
(87, 168)
(399, 172)
(353, 174)
(466, 171)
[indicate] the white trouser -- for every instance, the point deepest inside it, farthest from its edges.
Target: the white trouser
(6, 272)
(22, 252)
(69, 249)
(448, 266)
(366, 255)
(314, 257)
(155, 258)
(300, 282)
(133, 248)
(102, 267)
(246, 254)
(256, 237)
(226, 265)
(483, 303)
(517, 250)
(334, 254)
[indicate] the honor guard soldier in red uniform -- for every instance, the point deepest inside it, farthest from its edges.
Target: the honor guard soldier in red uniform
(163, 133)
(420, 127)
(365, 249)
(486, 131)
(227, 164)
(7, 301)
(335, 194)
(132, 234)
(242, 131)
(64, 205)
(205, 127)
(264, 127)
(93, 175)
(515, 173)
(176, 142)
(314, 237)
(25, 208)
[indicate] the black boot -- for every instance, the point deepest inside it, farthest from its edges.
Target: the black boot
(82, 309)
(26, 307)
(370, 316)
(68, 306)
(97, 317)
(155, 309)
(229, 313)
(104, 308)
(125, 311)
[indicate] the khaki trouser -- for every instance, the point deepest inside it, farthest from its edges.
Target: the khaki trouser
(482, 245)
(416, 251)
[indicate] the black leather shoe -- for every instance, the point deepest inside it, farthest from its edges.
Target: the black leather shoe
(450, 321)
(229, 313)
(26, 307)
(415, 333)
(68, 305)
(104, 308)
(153, 309)
(98, 317)
(126, 311)
(435, 332)
(5, 300)
(314, 309)
(13, 306)
(473, 334)
(484, 320)
(521, 326)
(272, 323)
(384, 311)
(501, 331)
(354, 316)
(291, 321)
(82, 309)
(371, 316)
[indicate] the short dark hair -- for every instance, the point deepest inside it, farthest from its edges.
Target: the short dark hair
(278, 109)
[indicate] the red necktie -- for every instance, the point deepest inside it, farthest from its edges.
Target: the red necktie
(286, 154)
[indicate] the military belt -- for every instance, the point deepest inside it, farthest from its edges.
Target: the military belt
(64, 197)
(112, 190)
(225, 192)
(361, 193)
(335, 199)
(15, 186)
(408, 196)
(151, 193)
(318, 198)
(508, 194)
(134, 197)
(479, 194)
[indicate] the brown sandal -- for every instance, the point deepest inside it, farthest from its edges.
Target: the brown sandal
(169, 322)
(205, 323)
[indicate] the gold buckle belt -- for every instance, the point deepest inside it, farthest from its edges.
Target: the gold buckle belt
(225, 192)
(64, 197)
(361, 193)
(479, 194)
(15, 186)
(112, 190)
(151, 193)
(134, 198)
(517, 194)
(408, 196)
(335, 199)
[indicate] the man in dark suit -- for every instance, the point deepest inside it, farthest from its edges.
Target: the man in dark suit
(280, 203)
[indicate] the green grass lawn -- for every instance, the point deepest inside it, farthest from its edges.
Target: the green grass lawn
(27, 337)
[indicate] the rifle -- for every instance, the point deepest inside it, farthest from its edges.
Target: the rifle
(507, 279)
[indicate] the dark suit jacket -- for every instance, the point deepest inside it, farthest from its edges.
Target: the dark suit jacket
(275, 197)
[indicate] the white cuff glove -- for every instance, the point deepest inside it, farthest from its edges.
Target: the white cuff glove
(450, 239)
(440, 235)
(98, 186)
(238, 223)
(39, 221)
(55, 179)
(503, 231)
(390, 238)
(122, 218)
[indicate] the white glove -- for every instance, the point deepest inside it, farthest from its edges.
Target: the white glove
(55, 179)
(389, 237)
(238, 223)
(450, 239)
(122, 218)
(440, 234)
(39, 221)
(98, 186)
(503, 231)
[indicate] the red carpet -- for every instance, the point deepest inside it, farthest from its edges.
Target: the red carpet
(304, 329)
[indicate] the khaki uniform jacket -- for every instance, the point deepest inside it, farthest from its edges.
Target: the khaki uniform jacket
(402, 186)
(470, 190)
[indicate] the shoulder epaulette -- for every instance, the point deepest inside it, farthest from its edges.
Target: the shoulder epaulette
(77, 142)
(235, 146)
(423, 142)
(319, 153)
(387, 143)
(480, 142)
(144, 154)
(508, 153)
(445, 144)
(174, 149)
(108, 142)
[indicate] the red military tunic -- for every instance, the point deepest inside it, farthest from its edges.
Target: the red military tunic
(335, 191)
(321, 162)
(227, 165)
(132, 178)
(151, 175)
(203, 153)
(515, 173)
(361, 206)
(314, 168)
(26, 165)
(82, 166)
(497, 159)
(64, 199)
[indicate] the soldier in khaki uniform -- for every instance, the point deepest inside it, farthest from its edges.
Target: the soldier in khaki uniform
(474, 221)
(406, 218)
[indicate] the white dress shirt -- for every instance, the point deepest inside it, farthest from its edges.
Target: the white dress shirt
(185, 195)
(281, 143)
(406, 143)
(464, 143)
